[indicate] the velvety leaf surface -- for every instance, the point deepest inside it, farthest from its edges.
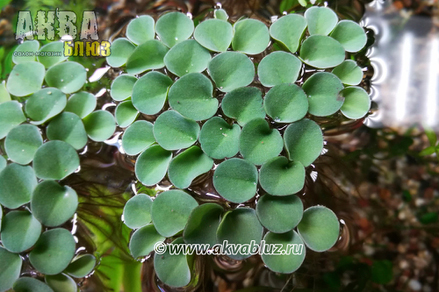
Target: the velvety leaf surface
(279, 67)
(53, 204)
(147, 56)
(243, 104)
(67, 76)
(323, 90)
(152, 164)
(230, 70)
(173, 28)
(279, 214)
(236, 180)
(280, 177)
(191, 96)
(303, 141)
(186, 166)
(55, 160)
(258, 142)
(53, 251)
(319, 228)
(240, 226)
(214, 34)
(137, 211)
(170, 211)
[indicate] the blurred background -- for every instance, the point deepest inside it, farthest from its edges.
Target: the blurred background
(380, 174)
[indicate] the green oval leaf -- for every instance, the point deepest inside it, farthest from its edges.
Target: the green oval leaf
(243, 104)
(10, 268)
(258, 143)
(303, 141)
(20, 231)
(214, 34)
(292, 244)
(25, 52)
(230, 70)
(11, 115)
(202, 224)
(236, 180)
(121, 50)
(125, 113)
(321, 20)
(187, 57)
(170, 211)
(173, 270)
(45, 104)
(53, 251)
(4, 94)
(137, 211)
(143, 241)
(147, 56)
(81, 266)
(51, 54)
(25, 78)
(16, 185)
(280, 177)
(218, 139)
(173, 131)
(319, 228)
(137, 137)
(81, 103)
(350, 35)
(348, 72)
(279, 67)
(186, 166)
(99, 125)
(150, 92)
(61, 283)
(152, 164)
(289, 30)
(55, 160)
(286, 103)
(279, 214)
(221, 14)
(53, 204)
(191, 96)
(27, 284)
(69, 128)
(323, 90)
(122, 87)
(173, 28)
(240, 226)
(68, 76)
(141, 29)
(250, 36)
(22, 142)
(322, 52)
(356, 102)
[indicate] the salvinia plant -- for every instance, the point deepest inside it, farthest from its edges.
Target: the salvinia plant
(194, 110)
(231, 107)
(44, 121)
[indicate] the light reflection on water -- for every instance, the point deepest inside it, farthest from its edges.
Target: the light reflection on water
(405, 57)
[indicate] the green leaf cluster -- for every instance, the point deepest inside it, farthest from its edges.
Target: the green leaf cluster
(45, 120)
(201, 108)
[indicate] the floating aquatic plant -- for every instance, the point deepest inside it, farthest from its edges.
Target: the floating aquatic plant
(225, 103)
(44, 121)
(201, 103)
